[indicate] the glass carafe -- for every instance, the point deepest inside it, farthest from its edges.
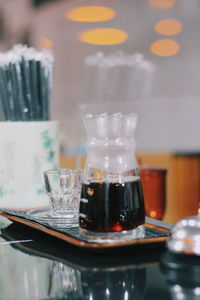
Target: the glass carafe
(112, 205)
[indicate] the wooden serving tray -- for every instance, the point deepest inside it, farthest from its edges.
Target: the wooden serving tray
(156, 232)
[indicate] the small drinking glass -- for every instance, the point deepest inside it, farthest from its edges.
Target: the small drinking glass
(63, 187)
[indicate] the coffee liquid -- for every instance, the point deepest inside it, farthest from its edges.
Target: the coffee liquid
(111, 207)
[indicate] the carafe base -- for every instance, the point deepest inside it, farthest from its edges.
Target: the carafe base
(109, 237)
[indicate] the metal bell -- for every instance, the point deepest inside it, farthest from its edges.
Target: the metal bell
(185, 236)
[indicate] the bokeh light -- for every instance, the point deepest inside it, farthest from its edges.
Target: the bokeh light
(168, 27)
(165, 47)
(162, 4)
(103, 36)
(91, 14)
(153, 214)
(46, 43)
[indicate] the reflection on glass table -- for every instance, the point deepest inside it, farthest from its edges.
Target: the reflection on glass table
(77, 283)
(64, 282)
(182, 273)
(43, 269)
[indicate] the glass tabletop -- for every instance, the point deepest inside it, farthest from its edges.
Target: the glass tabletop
(36, 266)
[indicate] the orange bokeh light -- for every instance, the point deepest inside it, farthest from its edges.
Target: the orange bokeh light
(103, 36)
(165, 47)
(162, 4)
(168, 27)
(91, 14)
(153, 213)
(46, 43)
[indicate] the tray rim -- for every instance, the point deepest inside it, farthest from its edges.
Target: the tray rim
(89, 244)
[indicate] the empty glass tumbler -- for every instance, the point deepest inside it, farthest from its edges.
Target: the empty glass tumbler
(112, 205)
(64, 187)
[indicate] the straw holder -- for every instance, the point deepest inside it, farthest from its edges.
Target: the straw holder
(27, 150)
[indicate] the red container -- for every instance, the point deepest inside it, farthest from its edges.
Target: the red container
(154, 190)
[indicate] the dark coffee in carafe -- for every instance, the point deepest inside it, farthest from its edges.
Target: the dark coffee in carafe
(112, 206)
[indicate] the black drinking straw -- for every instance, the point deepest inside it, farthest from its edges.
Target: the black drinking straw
(9, 91)
(25, 84)
(22, 99)
(4, 99)
(41, 89)
(16, 97)
(34, 89)
(25, 90)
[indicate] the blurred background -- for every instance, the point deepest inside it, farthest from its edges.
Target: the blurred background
(145, 53)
